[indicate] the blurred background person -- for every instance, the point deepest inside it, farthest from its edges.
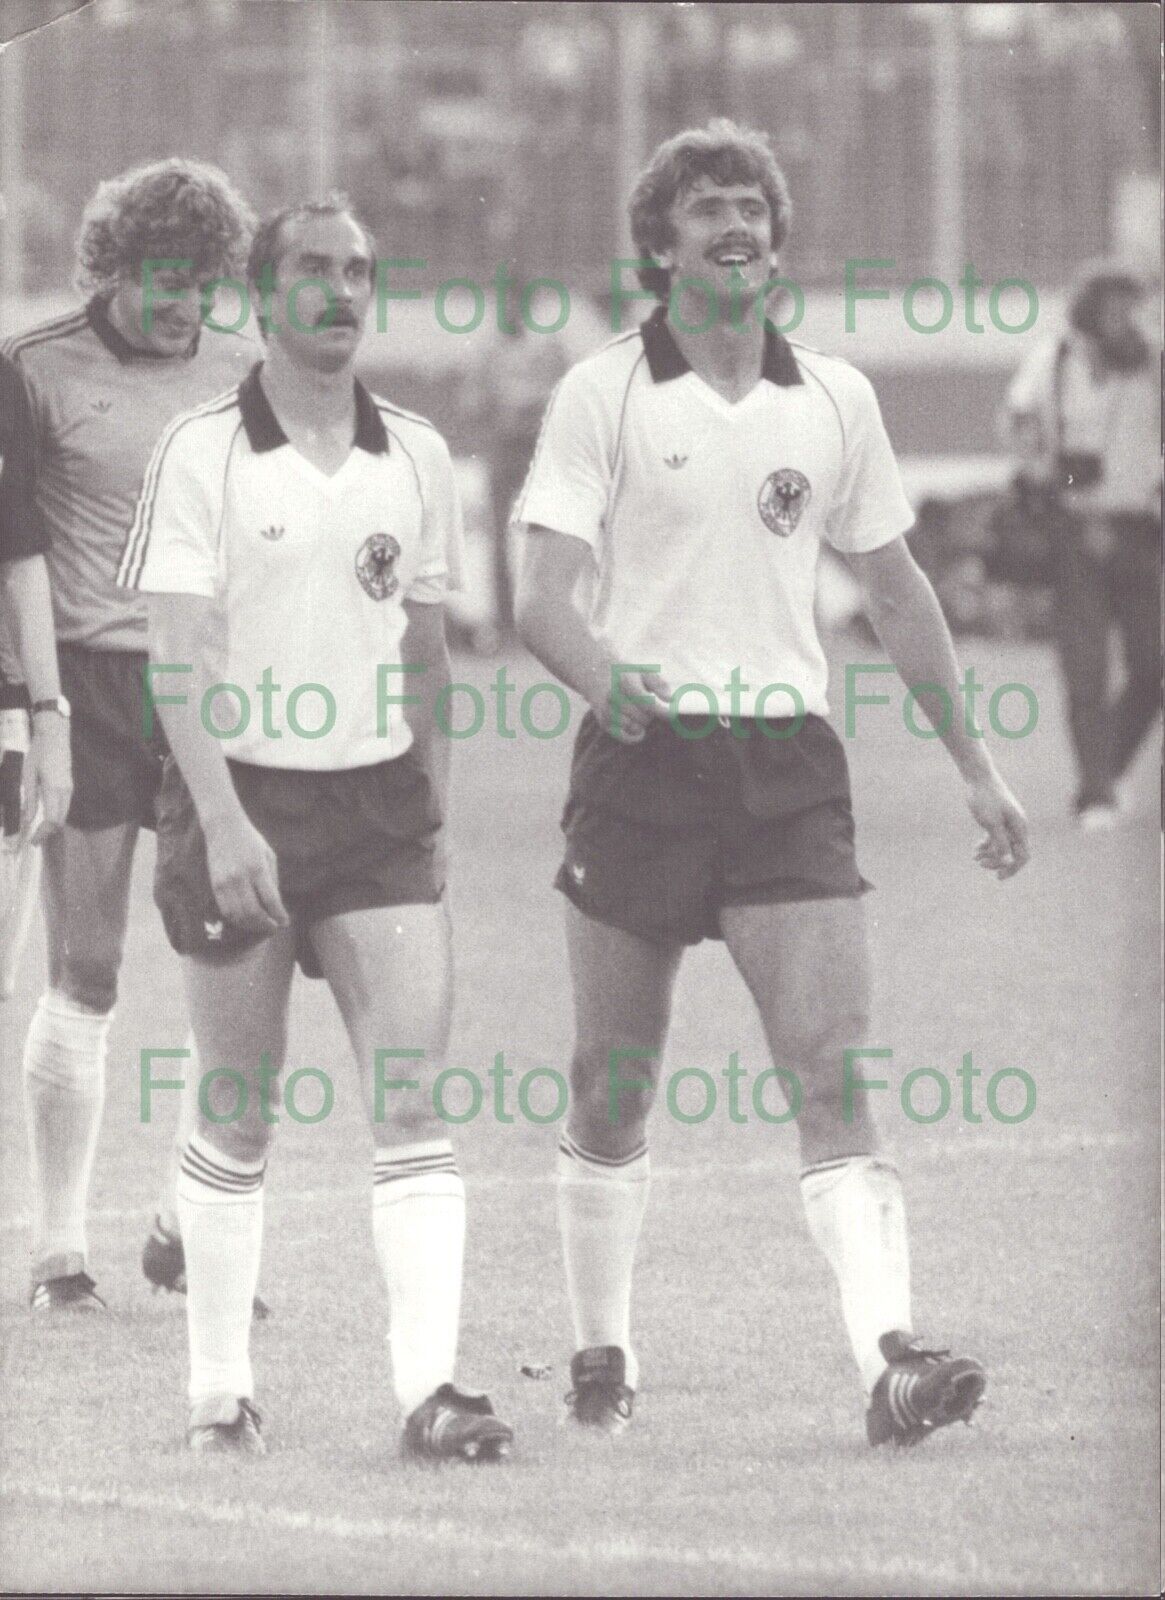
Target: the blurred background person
(1084, 415)
(504, 398)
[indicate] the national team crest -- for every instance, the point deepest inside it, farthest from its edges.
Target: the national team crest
(375, 563)
(783, 497)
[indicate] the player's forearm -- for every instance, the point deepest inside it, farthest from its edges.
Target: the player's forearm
(179, 632)
(552, 630)
(911, 627)
(425, 655)
(29, 604)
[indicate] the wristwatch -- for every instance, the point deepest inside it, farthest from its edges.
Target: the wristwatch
(56, 703)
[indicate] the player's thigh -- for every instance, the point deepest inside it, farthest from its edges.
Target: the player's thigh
(622, 988)
(85, 893)
(238, 1011)
(806, 964)
(390, 969)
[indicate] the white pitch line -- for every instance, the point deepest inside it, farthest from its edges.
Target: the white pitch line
(438, 1533)
(1064, 1142)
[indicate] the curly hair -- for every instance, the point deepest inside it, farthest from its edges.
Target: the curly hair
(267, 245)
(722, 151)
(173, 210)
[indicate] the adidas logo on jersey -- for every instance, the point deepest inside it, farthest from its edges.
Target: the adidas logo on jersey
(675, 461)
(272, 532)
(214, 932)
(101, 406)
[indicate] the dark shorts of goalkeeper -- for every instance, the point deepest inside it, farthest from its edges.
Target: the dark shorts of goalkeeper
(117, 765)
(344, 841)
(661, 835)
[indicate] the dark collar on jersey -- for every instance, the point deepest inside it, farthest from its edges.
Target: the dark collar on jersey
(264, 432)
(97, 312)
(666, 360)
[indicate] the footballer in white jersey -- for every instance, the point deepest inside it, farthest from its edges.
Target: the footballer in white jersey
(696, 465)
(301, 531)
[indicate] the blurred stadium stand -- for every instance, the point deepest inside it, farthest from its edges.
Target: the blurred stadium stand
(480, 132)
(1021, 138)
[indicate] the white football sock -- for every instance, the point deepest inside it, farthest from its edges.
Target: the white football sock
(220, 1212)
(601, 1204)
(64, 1096)
(186, 1125)
(418, 1228)
(857, 1217)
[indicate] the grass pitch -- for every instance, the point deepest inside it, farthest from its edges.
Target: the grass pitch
(1034, 1246)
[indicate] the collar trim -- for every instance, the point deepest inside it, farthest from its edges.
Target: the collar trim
(264, 431)
(666, 360)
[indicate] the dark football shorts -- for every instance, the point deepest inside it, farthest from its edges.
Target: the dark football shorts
(344, 841)
(116, 769)
(661, 834)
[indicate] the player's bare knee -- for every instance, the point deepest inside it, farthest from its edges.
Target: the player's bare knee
(90, 981)
(611, 1091)
(240, 1109)
(833, 1120)
(247, 1142)
(411, 1120)
(825, 1133)
(817, 1054)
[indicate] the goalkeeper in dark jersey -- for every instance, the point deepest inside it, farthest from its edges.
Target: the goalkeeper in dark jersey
(100, 383)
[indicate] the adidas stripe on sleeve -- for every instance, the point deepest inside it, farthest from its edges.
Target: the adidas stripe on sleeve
(569, 483)
(173, 541)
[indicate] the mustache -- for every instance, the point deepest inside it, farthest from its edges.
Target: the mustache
(340, 317)
(740, 246)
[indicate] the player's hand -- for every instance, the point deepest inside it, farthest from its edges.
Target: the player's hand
(1007, 846)
(627, 712)
(48, 778)
(244, 874)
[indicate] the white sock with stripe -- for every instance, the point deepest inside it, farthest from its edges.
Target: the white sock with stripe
(418, 1228)
(856, 1214)
(64, 1097)
(601, 1204)
(220, 1211)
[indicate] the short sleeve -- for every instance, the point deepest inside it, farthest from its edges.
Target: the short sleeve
(568, 486)
(172, 546)
(870, 506)
(442, 535)
(22, 528)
